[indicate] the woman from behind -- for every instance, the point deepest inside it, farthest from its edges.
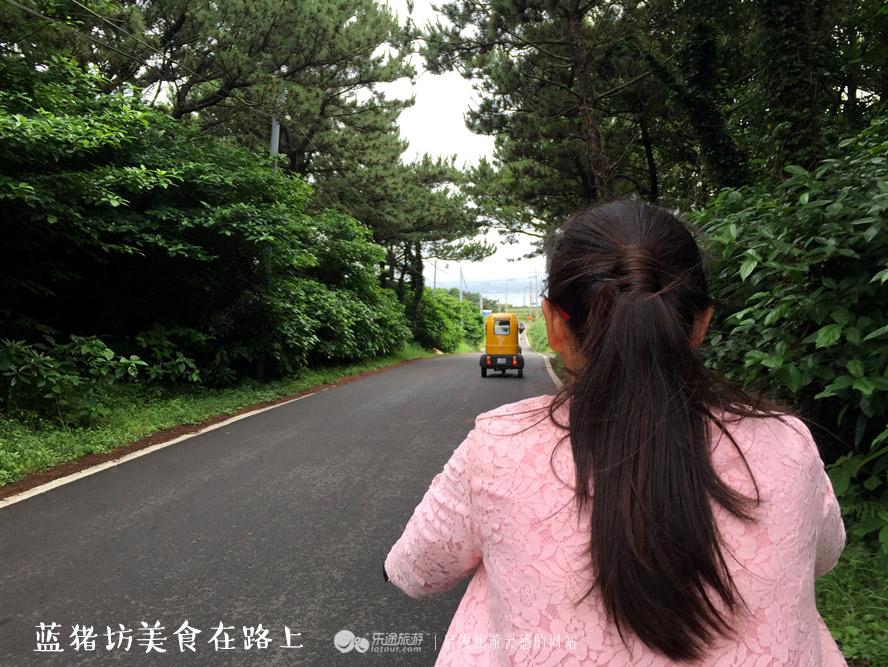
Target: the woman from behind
(651, 510)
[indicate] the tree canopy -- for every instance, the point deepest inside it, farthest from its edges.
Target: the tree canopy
(590, 100)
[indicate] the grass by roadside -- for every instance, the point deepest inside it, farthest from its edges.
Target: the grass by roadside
(539, 341)
(465, 347)
(137, 411)
(853, 600)
(536, 334)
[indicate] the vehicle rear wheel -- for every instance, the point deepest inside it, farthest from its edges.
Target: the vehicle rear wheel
(521, 373)
(484, 372)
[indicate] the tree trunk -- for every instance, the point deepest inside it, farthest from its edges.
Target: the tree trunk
(697, 93)
(416, 278)
(792, 43)
(653, 184)
(589, 128)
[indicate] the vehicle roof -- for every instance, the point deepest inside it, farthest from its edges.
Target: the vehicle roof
(502, 315)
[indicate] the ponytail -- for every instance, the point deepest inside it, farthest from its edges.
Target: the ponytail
(630, 278)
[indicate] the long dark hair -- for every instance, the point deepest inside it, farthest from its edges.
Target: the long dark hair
(630, 278)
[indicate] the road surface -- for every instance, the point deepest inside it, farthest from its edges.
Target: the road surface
(281, 519)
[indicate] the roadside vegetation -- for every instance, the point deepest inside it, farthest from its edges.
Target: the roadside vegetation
(154, 272)
(536, 334)
(445, 323)
(853, 600)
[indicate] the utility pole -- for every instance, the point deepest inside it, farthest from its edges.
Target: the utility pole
(434, 274)
(460, 284)
(275, 141)
(480, 303)
(273, 152)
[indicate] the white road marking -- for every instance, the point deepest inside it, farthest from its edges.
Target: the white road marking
(61, 481)
(555, 378)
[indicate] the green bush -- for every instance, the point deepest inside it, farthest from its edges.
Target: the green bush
(436, 322)
(472, 322)
(61, 380)
(162, 349)
(182, 248)
(537, 335)
(800, 268)
(320, 324)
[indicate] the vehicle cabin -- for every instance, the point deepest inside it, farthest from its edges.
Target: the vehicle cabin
(502, 351)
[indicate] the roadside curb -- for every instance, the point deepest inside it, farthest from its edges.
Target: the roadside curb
(546, 359)
(557, 380)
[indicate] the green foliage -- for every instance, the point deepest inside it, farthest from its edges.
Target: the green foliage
(472, 322)
(319, 67)
(537, 335)
(442, 322)
(801, 267)
(162, 348)
(185, 248)
(415, 210)
(853, 600)
(303, 57)
(667, 101)
(469, 316)
(61, 380)
(322, 324)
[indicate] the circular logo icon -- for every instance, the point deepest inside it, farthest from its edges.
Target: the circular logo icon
(361, 644)
(344, 641)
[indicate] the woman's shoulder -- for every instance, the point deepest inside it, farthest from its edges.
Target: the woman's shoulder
(521, 414)
(763, 428)
(773, 444)
(507, 439)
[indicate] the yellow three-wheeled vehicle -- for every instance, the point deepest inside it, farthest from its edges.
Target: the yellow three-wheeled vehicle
(501, 351)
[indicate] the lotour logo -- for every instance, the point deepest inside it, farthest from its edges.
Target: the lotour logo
(381, 642)
(345, 641)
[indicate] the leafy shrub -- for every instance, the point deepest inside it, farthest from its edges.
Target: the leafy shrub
(472, 322)
(162, 348)
(441, 321)
(801, 267)
(214, 268)
(62, 380)
(321, 324)
(437, 323)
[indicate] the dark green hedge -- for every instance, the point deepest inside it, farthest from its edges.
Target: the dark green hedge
(800, 269)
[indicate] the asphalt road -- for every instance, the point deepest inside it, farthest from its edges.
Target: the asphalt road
(281, 519)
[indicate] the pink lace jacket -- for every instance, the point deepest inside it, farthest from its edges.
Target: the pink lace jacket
(498, 512)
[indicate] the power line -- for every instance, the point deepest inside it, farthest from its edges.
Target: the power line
(91, 38)
(151, 47)
(253, 106)
(269, 112)
(247, 103)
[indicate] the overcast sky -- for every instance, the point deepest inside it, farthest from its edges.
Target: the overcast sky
(436, 125)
